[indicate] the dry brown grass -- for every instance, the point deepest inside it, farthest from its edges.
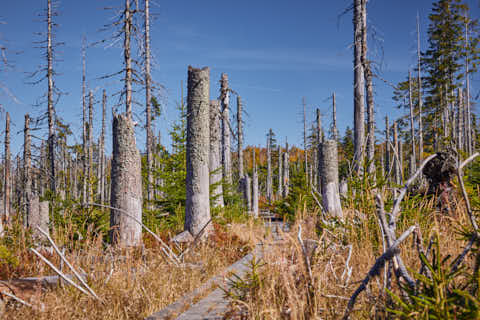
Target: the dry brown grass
(283, 289)
(133, 284)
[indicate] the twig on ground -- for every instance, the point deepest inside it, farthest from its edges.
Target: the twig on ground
(77, 275)
(17, 299)
(375, 270)
(67, 279)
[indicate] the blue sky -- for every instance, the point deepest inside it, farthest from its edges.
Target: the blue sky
(275, 52)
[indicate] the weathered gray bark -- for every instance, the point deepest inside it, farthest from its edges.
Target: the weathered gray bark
(240, 137)
(84, 124)
(280, 173)
(255, 194)
(304, 104)
(269, 167)
(319, 151)
(396, 153)
(90, 147)
(412, 123)
(126, 192)
(286, 171)
(215, 155)
(330, 195)
(51, 110)
(370, 102)
(460, 125)
(387, 146)
(6, 182)
(148, 108)
(468, 118)
(334, 117)
(248, 192)
(420, 101)
(102, 173)
(38, 216)
(27, 163)
(344, 188)
(358, 86)
(127, 29)
(226, 143)
(197, 208)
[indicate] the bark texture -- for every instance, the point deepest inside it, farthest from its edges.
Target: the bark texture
(240, 137)
(38, 216)
(269, 167)
(51, 110)
(286, 171)
(27, 163)
(330, 196)
(197, 208)
(255, 191)
(215, 155)
(226, 143)
(148, 108)
(6, 182)
(126, 192)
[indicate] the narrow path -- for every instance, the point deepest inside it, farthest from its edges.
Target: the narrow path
(214, 306)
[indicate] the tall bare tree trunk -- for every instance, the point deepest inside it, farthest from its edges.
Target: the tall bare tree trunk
(240, 137)
(319, 151)
(269, 167)
(215, 158)
(226, 155)
(460, 124)
(51, 111)
(420, 101)
(387, 147)
(27, 163)
(304, 104)
(334, 117)
(280, 173)
(255, 194)
(396, 154)
(148, 98)
(90, 147)
(101, 150)
(197, 208)
(84, 124)
(126, 193)
(412, 123)
(370, 102)
(330, 195)
(6, 182)
(127, 29)
(468, 120)
(248, 191)
(286, 172)
(358, 86)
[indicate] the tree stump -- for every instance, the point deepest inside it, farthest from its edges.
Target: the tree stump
(197, 208)
(126, 192)
(330, 196)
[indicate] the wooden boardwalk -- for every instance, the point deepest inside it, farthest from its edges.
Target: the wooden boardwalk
(215, 305)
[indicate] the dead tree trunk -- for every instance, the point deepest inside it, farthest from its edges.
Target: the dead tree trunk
(286, 171)
(358, 86)
(304, 104)
(51, 111)
(396, 153)
(240, 137)
(101, 189)
(215, 158)
(226, 146)
(197, 208)
(90, 147)
(269, 166)
(6, 184)
(334, 118)
(280, 173)
(248, 192)
(319, 150)
(255, 194)
(126, 192)
(38, 216)
(330, 196)
(460, 124)
(420, 102)
(387, 147)
(27, 163)
(468, 120)
(127, 29)
(148, 98)
(412, 124)
(84, 125)
(370, 102)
